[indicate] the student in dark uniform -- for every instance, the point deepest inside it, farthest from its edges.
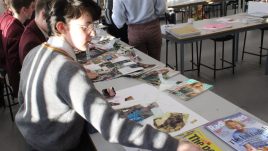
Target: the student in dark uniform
(36, 32)
(12, 27)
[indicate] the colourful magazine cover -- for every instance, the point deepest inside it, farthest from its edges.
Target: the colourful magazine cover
(241, 132)
(189, 89)
(196, 136)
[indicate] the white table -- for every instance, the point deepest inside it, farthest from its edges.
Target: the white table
(184, 3)
(208, 104)
(236, 28)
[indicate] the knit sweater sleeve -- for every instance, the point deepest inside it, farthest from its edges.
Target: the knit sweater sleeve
(88, 103)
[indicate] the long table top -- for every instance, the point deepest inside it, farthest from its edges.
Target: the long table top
(183, 3)
(208, 104)
(241, 22)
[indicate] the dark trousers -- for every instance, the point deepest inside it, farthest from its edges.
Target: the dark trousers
(118, 33)
(146, 38)
(85, 143)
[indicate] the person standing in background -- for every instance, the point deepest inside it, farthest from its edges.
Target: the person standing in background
(141, 16)
(37, 31)
(112, 29)
(12, 28)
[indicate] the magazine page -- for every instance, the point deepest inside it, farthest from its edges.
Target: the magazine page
(196, 136)
(111, 65)
(241, 132)
(189, 89)
(117, 61)
(138, 112)
(169, 116)
(173, 117)
(147, 68)
(152, 76)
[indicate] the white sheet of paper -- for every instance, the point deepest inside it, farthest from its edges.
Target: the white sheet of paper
(126, 70)
(92, 67)
(145, 93)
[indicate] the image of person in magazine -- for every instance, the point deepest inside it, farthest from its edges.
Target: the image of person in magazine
(191, 90)
(252, 139)
(138, 112)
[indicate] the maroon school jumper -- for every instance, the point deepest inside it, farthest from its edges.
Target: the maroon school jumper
(12, 30)
(31, 37)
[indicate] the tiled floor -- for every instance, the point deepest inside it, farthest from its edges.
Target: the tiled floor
(248, 88)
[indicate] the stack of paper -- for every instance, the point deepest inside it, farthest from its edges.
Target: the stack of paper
(184, 31)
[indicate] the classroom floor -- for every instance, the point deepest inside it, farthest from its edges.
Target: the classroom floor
(247, 88)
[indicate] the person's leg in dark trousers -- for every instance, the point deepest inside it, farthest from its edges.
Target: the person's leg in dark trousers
(86, 143)
(123, 33)
(146, 38)
(154, 40)
(118, 33)
(137, 38)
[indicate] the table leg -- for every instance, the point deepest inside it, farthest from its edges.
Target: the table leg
(166, 52)
(176, 54)
(182, 57)
(266, 66)
(236, 46)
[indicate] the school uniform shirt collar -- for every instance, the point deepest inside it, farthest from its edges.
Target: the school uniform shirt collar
(60, 42)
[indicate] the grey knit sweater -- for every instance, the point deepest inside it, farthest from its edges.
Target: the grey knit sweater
(57, 98)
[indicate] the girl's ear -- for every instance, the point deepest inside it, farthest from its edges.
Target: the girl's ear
(61, 27)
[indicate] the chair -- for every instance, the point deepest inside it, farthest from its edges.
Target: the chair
(214, 68)
(260, 54)
(233, 4)
(171, 15)
(2, 100)
(8, 94)
(213, 8)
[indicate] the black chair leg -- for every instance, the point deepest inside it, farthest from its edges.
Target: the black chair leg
(197, 54)
(199, 59)
(8, 94)
(192, 45)
(176, 53)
